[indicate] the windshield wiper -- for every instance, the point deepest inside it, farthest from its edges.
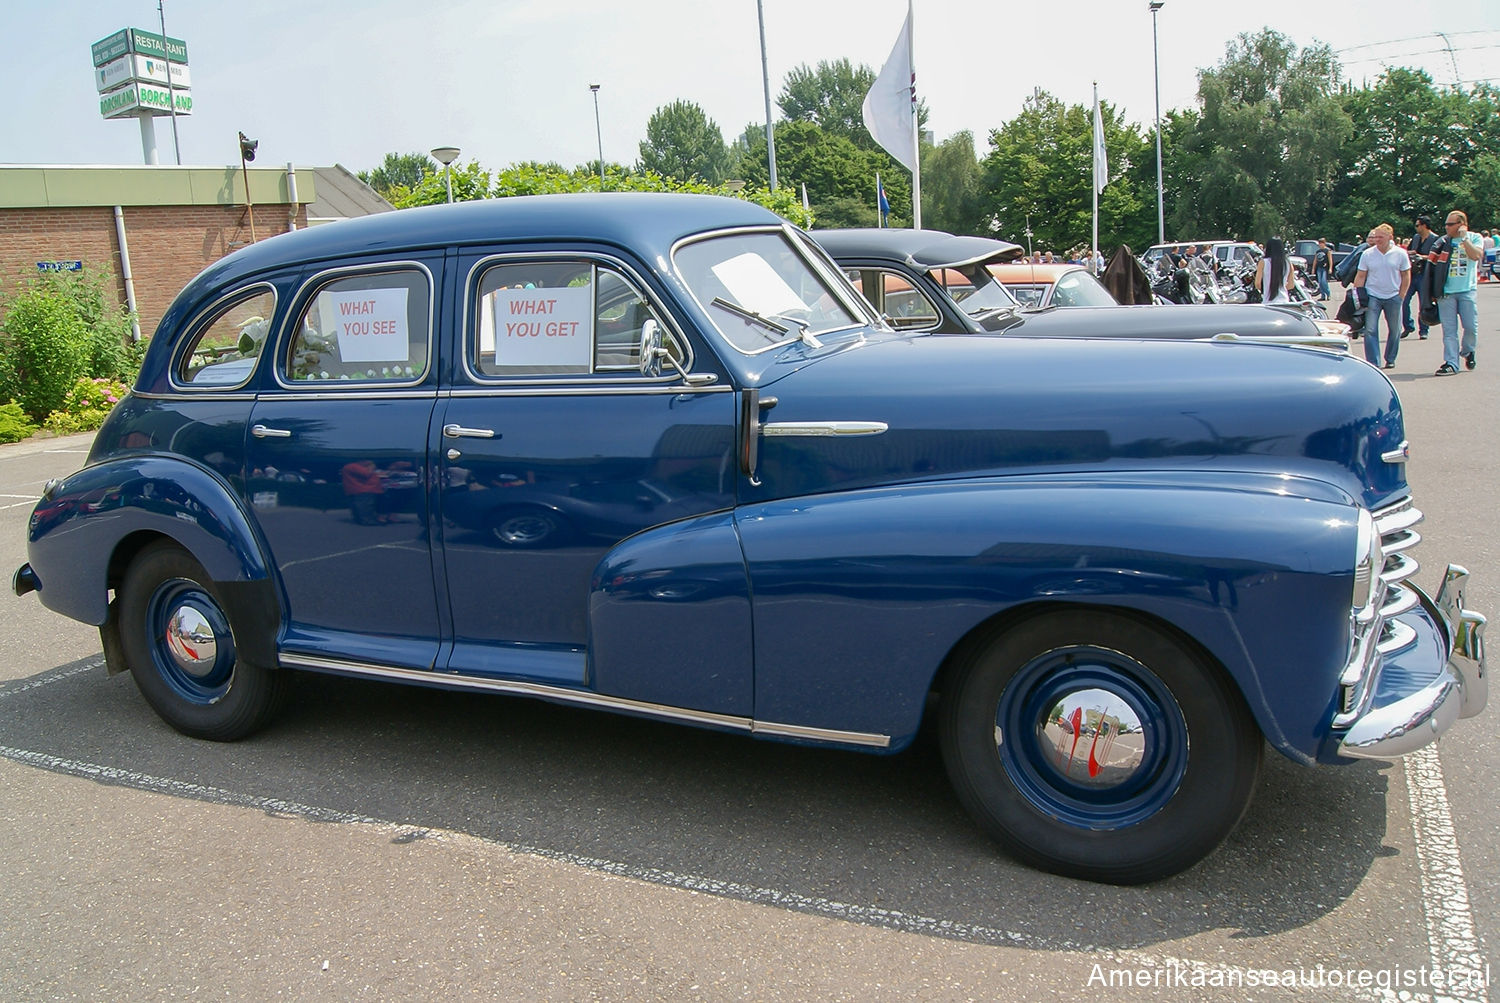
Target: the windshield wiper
(803, 326)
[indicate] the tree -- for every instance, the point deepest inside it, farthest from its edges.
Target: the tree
(952, 187)
(832, 97)
(405, 170)
(840, 177)
(682, 142)
(1268, 144)
(1040, 168)
(470, 182)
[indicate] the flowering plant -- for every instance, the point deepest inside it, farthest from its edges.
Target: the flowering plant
(86, 405)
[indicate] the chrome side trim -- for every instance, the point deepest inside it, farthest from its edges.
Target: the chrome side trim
(1328, 342)
(573, 390)
(581, 698)
(823, 428)
(364, 395)
(821, 734)
(1400, 454)
(181, 395)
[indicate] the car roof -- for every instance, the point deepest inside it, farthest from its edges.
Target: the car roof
(1020, 272)
(924, 249)
(648, 222)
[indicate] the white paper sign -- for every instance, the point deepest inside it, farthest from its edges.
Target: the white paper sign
(755, 285)
(370, 324)
(543, 327)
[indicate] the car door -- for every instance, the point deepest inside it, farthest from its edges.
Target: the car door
(555, 448)
(337, 464)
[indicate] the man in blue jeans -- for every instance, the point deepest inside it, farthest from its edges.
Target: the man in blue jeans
(1456, 303)
(1385, 275)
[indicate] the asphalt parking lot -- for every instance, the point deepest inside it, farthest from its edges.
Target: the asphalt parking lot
(387, 842)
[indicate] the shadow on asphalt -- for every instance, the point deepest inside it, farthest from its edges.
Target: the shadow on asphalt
(875, 832)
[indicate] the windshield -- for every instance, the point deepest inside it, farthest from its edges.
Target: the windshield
(1080, 289)
(974, 289)
(758, 290)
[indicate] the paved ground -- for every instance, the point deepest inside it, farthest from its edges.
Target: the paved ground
(383, 842)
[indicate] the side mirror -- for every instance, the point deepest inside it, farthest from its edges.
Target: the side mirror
(651, 349)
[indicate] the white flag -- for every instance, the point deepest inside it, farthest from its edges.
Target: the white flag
(889, 107)
(1101, 160)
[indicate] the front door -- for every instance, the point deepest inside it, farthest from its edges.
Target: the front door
(554, 449)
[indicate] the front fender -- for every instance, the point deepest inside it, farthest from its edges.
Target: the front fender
(78, 525)
(860, 596)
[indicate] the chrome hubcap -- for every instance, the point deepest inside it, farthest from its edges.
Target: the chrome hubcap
(1093, 737)
(190, 640)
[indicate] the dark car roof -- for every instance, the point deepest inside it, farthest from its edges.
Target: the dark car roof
(925, 249)
(1187, 322)
(648, 222)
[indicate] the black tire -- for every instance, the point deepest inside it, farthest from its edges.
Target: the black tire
(1023, 717)
(194, 675)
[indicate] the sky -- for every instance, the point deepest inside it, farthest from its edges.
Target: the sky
(347, 81)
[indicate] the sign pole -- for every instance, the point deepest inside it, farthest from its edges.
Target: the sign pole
(148, 137)
(245, 173)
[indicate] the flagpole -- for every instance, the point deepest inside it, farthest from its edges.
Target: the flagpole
(879, 216)
(916, 125)
(1094, 242)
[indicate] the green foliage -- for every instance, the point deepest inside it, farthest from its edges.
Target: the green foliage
(86, 405)
(832, 96)
(403, 170)
(43, 349)
(109, 343)
(1040, 169)
(952, 187)
(839, 175)
(1267, 144)
(14, 425)
(682, 142)
(470, 182)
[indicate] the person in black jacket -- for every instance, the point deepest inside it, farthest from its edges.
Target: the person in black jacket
(1422, 243)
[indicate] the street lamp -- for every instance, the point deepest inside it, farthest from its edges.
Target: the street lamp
(1161, 216)
(446, 155)
(598, 134)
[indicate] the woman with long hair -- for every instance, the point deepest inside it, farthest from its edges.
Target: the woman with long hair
(1273, 273)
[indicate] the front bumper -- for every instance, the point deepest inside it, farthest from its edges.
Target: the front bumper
(1435, 679)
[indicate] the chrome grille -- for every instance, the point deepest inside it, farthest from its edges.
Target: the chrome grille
(1375, 631)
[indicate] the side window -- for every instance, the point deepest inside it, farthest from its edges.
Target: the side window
(370, 328)
(560, 318)
(892, 295)
(223, 352)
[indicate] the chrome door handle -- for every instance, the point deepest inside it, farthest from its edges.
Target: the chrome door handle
(262, 432)
(459, 432)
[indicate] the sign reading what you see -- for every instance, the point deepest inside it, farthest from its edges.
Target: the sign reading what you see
(370, 323)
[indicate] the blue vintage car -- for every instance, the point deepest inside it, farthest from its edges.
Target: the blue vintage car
(652, 454)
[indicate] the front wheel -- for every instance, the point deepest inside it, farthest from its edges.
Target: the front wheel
(179, 645)
(1093, 745)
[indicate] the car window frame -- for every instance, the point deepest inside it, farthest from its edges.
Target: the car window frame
(912, 281)
(468, 324)
(205, 317)
(303, 298)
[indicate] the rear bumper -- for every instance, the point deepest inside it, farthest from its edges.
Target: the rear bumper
(1437, 678)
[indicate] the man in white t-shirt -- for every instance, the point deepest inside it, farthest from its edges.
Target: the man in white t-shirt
(1384, 274)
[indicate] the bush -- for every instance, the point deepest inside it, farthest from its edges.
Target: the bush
(14, 425)
(109, 344)
(86, 405)
(43, 350)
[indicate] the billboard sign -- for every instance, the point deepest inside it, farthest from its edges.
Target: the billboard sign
(147, 69)
(135, 98)
(144, 43)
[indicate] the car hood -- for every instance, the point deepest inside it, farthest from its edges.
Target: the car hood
(961, 406)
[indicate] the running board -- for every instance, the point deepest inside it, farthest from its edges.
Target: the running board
(582, 698)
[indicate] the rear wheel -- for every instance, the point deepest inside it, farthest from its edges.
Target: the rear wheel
(179, 644)
(1094, 745)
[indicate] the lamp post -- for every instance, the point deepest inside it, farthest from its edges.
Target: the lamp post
(446, 155)
(1161, 216)
(247, 154)
(598, 134)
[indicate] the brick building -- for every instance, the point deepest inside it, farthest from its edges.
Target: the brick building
(175, 221)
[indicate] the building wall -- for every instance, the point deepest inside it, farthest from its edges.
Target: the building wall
(168, 245)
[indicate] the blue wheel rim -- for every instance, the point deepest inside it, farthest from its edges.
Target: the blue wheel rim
(1049, 775)
(200, 673)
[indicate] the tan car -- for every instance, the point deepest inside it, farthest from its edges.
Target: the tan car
(1037, 287)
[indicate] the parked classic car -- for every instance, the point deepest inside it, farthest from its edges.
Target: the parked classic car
(929, 280)
(1122, 568)
(1037, 287)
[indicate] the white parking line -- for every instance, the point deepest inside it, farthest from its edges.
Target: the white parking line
(1445, 896)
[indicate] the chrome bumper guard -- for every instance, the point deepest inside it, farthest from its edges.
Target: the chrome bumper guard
(1435, 678)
